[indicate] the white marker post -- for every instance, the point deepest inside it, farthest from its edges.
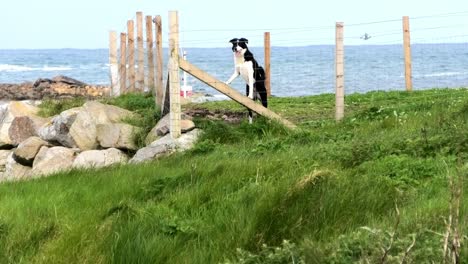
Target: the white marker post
(186, 90)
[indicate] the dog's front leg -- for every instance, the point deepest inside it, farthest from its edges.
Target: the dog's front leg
(234, 75)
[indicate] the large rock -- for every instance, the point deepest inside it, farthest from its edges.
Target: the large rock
(166, 145)
(162, 127)
(103, 113)
(99, 158)
(187, 140)
(67, 80)
(93, 114)
(57, 130)
(52, 160)
(24, 127)
(8, 112)
(83, 131)
(14, 170)
(28, 149)
(77, 128)
(117, 135)
(151, 152)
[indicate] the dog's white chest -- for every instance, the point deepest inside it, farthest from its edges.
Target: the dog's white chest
(245, 69)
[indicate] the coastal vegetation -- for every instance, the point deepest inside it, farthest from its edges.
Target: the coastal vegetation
(384, 185)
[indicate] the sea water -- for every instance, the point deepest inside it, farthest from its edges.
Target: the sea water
(295, 71)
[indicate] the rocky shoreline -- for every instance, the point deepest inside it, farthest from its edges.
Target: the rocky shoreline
(58, 87)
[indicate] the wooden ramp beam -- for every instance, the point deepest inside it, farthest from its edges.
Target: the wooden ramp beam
(231, 93)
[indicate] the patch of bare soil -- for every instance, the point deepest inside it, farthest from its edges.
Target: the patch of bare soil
(227, 116)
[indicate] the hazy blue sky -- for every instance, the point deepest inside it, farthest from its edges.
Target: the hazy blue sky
(85, 23)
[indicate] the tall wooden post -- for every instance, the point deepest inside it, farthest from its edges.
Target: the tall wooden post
(114, 67)
(339, 70)
(123, 63)
(159, 61)
(267, 62)
(407, 52)
(140, 54)
(149, 50)
(174, 85)
(131, 55)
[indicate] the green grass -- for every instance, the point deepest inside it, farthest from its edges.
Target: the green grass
(324, 193)
(51, 107)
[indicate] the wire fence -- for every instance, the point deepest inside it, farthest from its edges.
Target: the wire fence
(303, 58)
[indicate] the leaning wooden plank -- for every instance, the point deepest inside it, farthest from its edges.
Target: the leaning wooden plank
(231, 93)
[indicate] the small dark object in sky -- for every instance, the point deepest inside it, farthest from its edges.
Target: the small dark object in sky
(366, 36)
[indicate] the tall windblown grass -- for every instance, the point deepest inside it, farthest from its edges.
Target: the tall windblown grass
(325, 193)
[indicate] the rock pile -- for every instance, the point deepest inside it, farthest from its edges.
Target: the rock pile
(58, 87)
(92, 135)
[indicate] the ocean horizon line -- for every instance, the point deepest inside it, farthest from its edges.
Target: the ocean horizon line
(251, 46)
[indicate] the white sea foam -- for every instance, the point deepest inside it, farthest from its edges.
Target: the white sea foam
(58, 68)
(436, 74)
(14, 68)
(441, 74)
(20, 68)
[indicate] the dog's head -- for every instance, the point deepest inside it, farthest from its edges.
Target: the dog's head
(239, 46)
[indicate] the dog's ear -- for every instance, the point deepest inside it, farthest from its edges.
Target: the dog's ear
(233, 40)
(244, 40)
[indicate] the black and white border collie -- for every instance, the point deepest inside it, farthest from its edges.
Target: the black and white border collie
(252, 73)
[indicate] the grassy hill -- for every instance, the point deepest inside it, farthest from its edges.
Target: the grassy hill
(382, 186)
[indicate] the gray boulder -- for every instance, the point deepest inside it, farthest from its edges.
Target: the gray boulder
(162, 127)
(151, 152)
(103, 113)
(67, 80)
(118, 135)
(57, 130)
(24, 127)
(8, 112)
(99, 158)
(52, 160)
(77, 128)
(15, 171)
(187, 140)
(83, 131)
(28, 149)
(166, 145)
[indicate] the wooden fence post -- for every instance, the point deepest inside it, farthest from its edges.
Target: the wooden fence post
(407, 52)
(159, 61)
(140, 54)
(174, 88)
(131, 55)
(267, 62)
(123, 63)
(339, 70)
(114, 67)
(149, 50)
